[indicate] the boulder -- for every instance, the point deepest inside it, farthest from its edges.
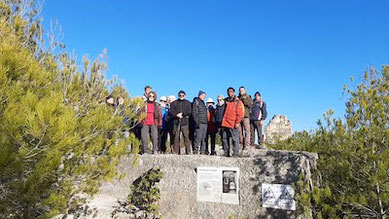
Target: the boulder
(279, 128)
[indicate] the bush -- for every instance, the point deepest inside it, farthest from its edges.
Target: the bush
(144, 194)
(353, 165)
(58, 138)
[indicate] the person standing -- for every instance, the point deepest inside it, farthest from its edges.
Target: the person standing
(244, 131)
(148, 90)
(110, 101)
(233, 115)
(219, 113)
(212, 128)
(199, 114)
(150, 124)
(139, 126)
(257, 117)
(163, 131)
(169, 120)
(180, 111)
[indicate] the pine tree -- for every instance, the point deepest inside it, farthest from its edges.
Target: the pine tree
(58, 138)
(353, 165)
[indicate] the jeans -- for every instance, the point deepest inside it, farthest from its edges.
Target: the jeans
(245, 124)
(154, 138)
(256, 126)
(200, 135)
(228, 134)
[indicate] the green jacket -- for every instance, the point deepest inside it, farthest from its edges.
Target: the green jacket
(248, 104)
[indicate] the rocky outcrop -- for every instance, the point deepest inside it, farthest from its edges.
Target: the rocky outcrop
(279, 128)
(179, 186)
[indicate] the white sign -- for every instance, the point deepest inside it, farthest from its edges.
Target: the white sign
(278, 196)
(218, 184)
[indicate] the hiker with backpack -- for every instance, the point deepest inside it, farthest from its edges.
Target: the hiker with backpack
(233, 115)
(244, 131)
(257, 117)
(199, 114)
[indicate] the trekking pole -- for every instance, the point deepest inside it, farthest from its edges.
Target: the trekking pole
(179, 136)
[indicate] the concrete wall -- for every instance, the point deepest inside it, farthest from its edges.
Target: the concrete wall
(178, 187)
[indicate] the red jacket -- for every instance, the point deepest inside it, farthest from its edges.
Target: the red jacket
(234, 112)
(153, 115)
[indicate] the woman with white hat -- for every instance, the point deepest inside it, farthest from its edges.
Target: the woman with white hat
(212, 128)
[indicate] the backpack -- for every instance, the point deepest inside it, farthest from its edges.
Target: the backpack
(256, 111)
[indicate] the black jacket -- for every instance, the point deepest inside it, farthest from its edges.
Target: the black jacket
(219, 114)
(199, 111)
(180, 106)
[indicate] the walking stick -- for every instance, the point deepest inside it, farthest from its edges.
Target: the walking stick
(179, 136)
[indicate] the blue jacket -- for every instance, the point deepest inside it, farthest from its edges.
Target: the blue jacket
(165, 114)
(259, 111)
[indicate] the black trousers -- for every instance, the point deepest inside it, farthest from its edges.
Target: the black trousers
(162, 138)
(213, 143)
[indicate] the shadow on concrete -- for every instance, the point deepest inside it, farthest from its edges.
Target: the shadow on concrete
(286, 168)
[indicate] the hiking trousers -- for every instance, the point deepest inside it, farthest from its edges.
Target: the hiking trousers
(244, 132)
(146, 129)
(229, 133)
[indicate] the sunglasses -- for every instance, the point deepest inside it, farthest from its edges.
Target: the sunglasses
(219, 99)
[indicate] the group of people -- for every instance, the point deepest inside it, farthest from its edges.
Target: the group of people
(190, 125)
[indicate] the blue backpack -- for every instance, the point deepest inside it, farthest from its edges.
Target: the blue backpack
(256, 111)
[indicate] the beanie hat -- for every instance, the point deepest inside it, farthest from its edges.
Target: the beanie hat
(257, 93)
(201, 92)
(181, 92)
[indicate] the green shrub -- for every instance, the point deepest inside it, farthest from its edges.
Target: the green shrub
(353, 165)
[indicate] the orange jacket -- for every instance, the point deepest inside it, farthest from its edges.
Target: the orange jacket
(233, 113)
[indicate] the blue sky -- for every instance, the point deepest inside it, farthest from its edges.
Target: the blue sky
(298, 54)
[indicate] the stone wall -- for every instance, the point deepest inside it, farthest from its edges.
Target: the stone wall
(178, 187)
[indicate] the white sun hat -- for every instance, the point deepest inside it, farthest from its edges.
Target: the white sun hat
(210, 100)
(163, 98)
